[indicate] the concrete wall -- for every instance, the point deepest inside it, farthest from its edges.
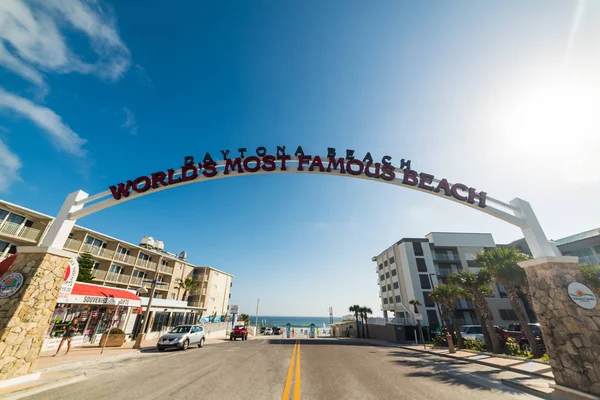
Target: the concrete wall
(388, 332)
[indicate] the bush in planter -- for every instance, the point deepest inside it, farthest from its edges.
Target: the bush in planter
(116, 331)
(476, 345)
(512, 348)
(440, 338)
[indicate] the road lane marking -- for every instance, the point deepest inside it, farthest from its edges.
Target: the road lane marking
(288, 381)
(297, 380)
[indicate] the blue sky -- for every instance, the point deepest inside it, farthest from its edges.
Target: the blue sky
(95, 93)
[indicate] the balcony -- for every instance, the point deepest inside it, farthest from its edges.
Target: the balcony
(464, 305)
(125, 258)
(445, 257)
(166, 269)
(73, 244)
(587, 260)
(146, 264)
(19, 231)
(99, 274)
(444, 271)
(136, 281)
(119, 278)
(98, 251)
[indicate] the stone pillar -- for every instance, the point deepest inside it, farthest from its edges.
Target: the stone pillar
(571, 333)
(25, 316)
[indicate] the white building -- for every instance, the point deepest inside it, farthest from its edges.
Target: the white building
(412, 267)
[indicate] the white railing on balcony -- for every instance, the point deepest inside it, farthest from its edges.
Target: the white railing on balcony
(73, 244)
(166, 269)
(146, 264)
(98, 251)
(99, 274)
(23, 232)
(444, 271)
(136, 281)
(383, 321)
(114, 277)
(445, 257)
(126, 258)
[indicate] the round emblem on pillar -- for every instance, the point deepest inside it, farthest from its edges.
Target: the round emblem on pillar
(582, 295)
(11, 284)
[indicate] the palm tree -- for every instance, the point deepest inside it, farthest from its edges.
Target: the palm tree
(187, 285)
(446, 296)
(502, 262)
(364, 311)
(415, 303)
(355, 309)
(477, 287)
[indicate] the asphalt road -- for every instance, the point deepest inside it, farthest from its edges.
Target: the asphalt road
(264, 369)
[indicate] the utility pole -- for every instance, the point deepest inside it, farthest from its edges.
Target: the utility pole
(256, 320)
(330, 315)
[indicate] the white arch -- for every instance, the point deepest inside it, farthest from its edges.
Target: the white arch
(79, 204)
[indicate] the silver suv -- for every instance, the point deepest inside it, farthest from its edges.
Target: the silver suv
(182, 337)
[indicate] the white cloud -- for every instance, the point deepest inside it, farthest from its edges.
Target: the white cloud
(130, 123)
(31, 39)
(59, 133)
(10, 164)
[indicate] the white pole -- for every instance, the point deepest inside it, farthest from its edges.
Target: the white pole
(256, 320)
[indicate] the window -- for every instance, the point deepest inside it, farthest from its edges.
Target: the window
(3, 244)
(385, 300)
(396, 285)
(474, 329)
(115, 269)
(385, 264)
(15, 219)
(139, 274)
(123, 250)
(425, 282)
(417, 248)
(172, 296)
(164, 262)
(92, 241)
(394, 272)
(392, 260)
(389, 287)
(421, 266)
(387, 274)
(432, 317)
(380, 267)
(391, 300)
(502, 291)
(398, 299)
(144, 257)
(428, 301)
(382, 277)
(96, 265)
(508, 315)
(3, 214)
(383, 288)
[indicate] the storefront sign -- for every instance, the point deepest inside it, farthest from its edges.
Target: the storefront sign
(69, 280)
(10, 284)
(101, 300)
(582, 295)
(332, 163)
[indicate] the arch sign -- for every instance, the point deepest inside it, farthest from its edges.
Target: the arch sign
(79, 204)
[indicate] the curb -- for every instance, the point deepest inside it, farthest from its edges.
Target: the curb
(527, 389)
(19, 394)
(502, 367)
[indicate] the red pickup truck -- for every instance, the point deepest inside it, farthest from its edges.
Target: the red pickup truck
(514, 331)
(239, 331)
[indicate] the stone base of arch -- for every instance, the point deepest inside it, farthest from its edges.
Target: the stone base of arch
(25, 315)
(571, 333)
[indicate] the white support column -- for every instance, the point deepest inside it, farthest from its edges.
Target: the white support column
(62, 225)
(539, 245)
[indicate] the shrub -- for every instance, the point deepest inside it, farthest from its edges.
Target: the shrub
(440, 338)
(545, 358)
(116, 331)
(476, 345)
(512, 348)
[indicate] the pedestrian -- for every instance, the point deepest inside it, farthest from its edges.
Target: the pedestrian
(68, 335)
(317, 332)
(292, 332)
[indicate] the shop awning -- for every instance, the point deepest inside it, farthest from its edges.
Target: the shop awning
(6, 263)
(86, 293)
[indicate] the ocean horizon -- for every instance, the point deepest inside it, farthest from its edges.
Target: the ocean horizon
(281, 321)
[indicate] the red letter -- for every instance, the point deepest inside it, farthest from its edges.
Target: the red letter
(231, 164)
(210, 169)
(317, 163)
(268, 163)
(158, 177)
(136, 184)
(184, 171)
(457, 195)
(302, 160)
(377, 169)
(121, 190)
(283, 159)
(252, 159)
(425, 180)
(473, 195)
(388, 173)
(410, 177)
(170, 177)
(356, 162)
(336, 163)
(443, 185)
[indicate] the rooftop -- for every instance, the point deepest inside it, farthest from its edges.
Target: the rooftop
(578, 236)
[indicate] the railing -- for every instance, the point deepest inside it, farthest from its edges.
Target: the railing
(98, 251)
(114, 277)
(126, 258)
(464, 304)
(99, 274)
(166, 269)
(73, 244)
(146, 264)
(444, 272)
(383, 321)
(136, 281)
(24, 232)
(445, 257)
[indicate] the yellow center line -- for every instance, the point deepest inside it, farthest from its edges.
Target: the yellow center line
(297, 380)
(288, 381)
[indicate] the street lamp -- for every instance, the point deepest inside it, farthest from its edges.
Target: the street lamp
(141, 336)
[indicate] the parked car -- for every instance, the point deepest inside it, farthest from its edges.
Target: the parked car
(277, 331)
(475, 332)
(268, 331)
(239, 332)
(514, 331)
(182, 337)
